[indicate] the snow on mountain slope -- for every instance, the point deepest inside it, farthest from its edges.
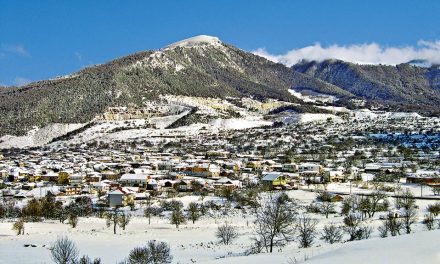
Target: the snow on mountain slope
(308, 117)
(239, 123)
(194, 41)
(38, 136)
(313, 97)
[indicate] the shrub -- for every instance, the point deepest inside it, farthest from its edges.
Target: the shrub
(153, 253)
(434, 209)
(331, 234)
(429, 221)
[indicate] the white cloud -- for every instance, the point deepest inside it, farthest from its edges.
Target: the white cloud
(78, 56)
(368, 53)
(17, 49)
(20, 81)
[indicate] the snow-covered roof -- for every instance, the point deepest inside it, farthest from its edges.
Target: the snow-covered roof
(271, 176)
(126, 177)
(223, 180)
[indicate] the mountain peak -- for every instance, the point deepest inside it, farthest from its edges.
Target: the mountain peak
(196, 41)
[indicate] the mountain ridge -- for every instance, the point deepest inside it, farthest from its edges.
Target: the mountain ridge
(197, 70)
(201, 66)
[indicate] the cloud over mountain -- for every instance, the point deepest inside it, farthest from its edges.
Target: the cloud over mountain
(367, 53)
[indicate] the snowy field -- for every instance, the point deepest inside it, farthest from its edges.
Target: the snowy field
(196, 243)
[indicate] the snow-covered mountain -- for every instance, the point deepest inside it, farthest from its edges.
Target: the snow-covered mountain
(183, 83)
(202, 66)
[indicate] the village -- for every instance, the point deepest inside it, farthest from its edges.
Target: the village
(222, 175)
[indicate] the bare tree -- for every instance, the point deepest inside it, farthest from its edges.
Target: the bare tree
(147, 211)
(18, 227)
(405, 199)
(275, 221)
(226, 233)
(373, 201)
(194, 211)
(113, 218)
(327, 208)
(306, 228)
(153, 253)
(331, 234)
(409, 217)
(73, 219)
(64, 251)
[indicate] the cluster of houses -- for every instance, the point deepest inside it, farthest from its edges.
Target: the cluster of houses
(276, 158)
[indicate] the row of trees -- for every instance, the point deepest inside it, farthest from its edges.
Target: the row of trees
(37, 210)
(277, 221)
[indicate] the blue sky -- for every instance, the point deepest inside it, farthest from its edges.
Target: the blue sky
(44, 39)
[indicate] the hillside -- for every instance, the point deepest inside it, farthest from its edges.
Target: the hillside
(201, 66)
(403, 86)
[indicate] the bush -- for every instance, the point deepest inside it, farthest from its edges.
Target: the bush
(434, 209)
(353, 227)
(86, 260)
(383, 230)
(153, 253)
(171, 205)
(331, 234)
(429, 221)
(436, 190)
(324, 197)
(313, 208)
(153, 210)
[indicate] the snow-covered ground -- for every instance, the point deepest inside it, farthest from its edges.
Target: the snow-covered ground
(239, 123)
(308, 117)
(196, 243)
(345, 188)
(421, 247)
